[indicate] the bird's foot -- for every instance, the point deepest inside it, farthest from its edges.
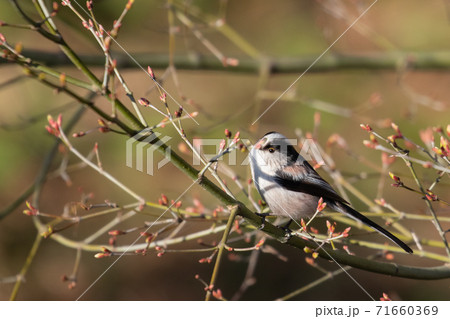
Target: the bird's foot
(287, 230)
(263, 219)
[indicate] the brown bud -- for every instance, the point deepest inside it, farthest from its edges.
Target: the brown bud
(143, 101)
(79, 134)
(106, 250)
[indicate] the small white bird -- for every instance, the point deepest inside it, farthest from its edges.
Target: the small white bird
(292, 188)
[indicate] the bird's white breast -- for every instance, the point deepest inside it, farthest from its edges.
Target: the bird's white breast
(281, 201)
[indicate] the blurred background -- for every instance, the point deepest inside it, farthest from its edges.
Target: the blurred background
(225, 97)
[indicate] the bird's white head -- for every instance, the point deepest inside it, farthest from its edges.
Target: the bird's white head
(273, 152)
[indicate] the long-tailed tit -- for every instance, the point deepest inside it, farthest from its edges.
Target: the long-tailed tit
(292, 188)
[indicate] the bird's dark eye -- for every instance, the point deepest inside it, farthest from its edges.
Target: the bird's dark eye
(271, 149)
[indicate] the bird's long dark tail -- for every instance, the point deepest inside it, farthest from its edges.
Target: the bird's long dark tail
(347, 210)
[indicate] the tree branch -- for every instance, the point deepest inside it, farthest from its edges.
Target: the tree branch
(390, 61)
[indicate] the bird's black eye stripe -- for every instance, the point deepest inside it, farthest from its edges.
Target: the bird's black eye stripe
(271, 148)
(292, 153)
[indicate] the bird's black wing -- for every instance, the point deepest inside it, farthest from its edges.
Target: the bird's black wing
(303, 178)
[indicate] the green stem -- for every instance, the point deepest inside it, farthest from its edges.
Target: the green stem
(25, 267)
(315, 283)
(31, 62)
(221, 248)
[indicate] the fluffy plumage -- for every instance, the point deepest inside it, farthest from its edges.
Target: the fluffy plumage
(292, 188)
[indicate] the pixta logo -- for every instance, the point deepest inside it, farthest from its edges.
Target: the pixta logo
(147, 141)
(140, 149)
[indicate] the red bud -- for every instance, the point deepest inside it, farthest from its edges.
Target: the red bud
(143, 101)
(394, 177)
(129, 4)
(381, 202)
(79, 134)
(150, 72)
(396, 129)
(310, 261)
(369, 144)
(321, 205)
(236, 137)
(164, 200)
(116, 232)
(385, 297)
(366, 127)
(217, 294)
